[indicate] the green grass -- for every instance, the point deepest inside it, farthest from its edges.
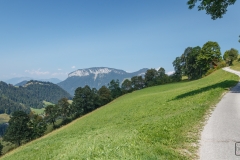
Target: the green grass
(45, 103)
(4, 118)
(41, 110)
(161, 122)
(236, 65)
(38, 111)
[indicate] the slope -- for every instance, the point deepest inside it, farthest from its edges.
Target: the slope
(160, 122)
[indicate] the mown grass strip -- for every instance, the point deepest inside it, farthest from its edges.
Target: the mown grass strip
(161, 122)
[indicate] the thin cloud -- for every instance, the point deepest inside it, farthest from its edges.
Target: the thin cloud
(37, 72)
(73, 67)
(59, 69)
(170, 73)
(59, 74)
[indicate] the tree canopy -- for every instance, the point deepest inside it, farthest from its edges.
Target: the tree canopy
(18, 129)
(215, 8)
(230, 55)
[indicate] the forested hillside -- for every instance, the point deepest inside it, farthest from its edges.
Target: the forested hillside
(30, 95)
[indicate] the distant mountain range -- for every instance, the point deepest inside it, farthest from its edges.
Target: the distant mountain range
(32, 94)
(96, 77)
(17, 80)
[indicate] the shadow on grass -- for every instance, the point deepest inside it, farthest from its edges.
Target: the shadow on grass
(225, 84)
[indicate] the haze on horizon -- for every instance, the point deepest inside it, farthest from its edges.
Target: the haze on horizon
(49, 39)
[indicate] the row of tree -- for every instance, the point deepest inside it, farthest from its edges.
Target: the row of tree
(196, 62)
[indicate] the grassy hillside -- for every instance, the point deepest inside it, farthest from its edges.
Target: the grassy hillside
(161, 122)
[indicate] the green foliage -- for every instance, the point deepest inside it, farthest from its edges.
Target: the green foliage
(85, 100)
(115, 89)
(37, 125)
(18, 129)
(65, 109)
(189, 64)
(177, 76)
(210, 54)
(196, 62)
(161, 122)
(126, 86)
(104, 95)
(230, 55)
(51, 113)
(216, 8)
(151, 77)
(137, 82)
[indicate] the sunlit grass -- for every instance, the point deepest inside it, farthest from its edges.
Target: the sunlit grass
(4, 118)
(161, 122)
(236, 65)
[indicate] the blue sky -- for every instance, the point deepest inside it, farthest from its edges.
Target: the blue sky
(49, 39)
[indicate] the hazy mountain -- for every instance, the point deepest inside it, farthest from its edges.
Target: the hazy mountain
(32, 94)
(95, 77)
(16, 80)
(21, 83)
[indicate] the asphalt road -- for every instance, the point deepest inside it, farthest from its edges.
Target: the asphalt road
(222, 130)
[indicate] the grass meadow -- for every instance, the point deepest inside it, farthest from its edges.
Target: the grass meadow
(162, 122)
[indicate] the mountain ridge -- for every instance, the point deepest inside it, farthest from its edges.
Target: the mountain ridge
(96, 77)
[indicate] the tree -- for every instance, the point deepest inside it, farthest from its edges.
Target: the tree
(18, 129)
(126, 86)
(161, 76)
(37, 125)
(137, 82)
(104, 95)
(189, 64)
(64, 107)
(115, 89)
(151, 77)
(83, 101)
(52, 112)
(230, 55)
(177, 76)
(216, 8)
(209, 56)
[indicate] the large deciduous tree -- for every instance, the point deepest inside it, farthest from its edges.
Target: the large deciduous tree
(151, 77)
(230, 55)
(189, 64)
(51, 113)
(114, 87)
(18, 129)
(84, 100)
(104, 95)
(126, 86)
(215, 8)
(64, 108)
(137, 82)
(37, 125)
(209, 56)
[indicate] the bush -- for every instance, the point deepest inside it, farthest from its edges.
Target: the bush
(221, 64)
